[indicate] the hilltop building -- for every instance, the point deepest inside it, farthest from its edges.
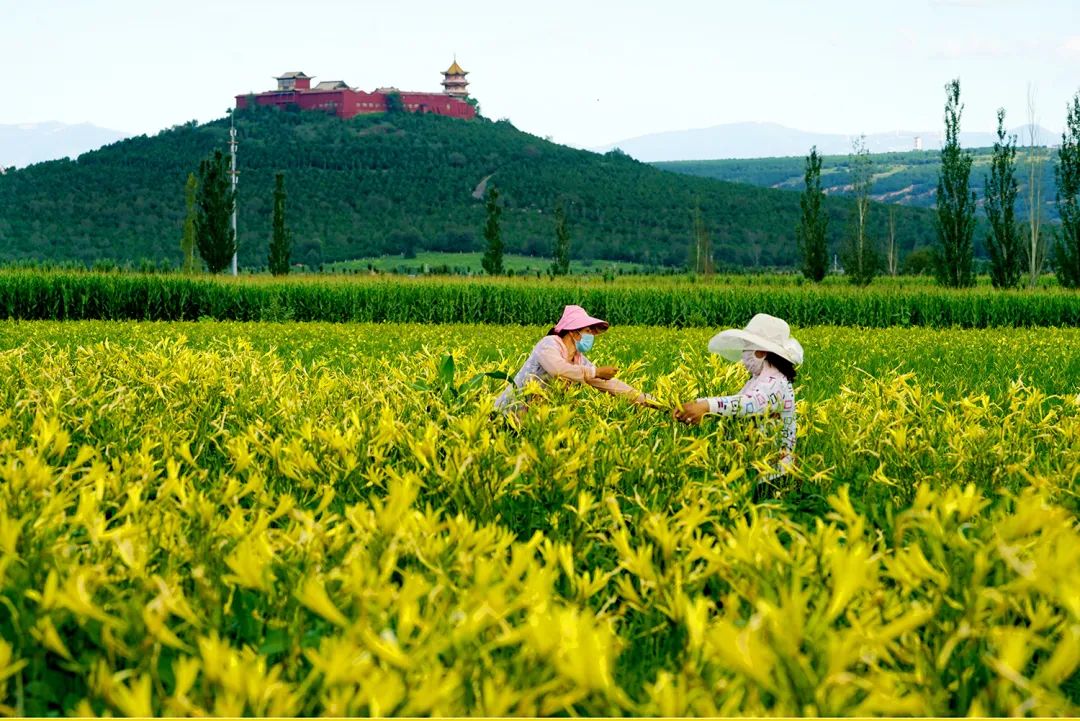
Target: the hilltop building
(454, 82)
(336, 97)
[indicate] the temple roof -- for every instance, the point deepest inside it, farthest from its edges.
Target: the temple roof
(294, 74)
(332, 85)
(455, 69)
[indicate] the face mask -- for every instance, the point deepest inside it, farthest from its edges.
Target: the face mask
(584, 343)
(752, 363)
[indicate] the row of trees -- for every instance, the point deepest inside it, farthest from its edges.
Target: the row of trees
(210, 201)
(1017, 254)
(492, 261)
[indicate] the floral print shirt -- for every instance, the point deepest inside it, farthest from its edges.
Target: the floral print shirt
(768, 393)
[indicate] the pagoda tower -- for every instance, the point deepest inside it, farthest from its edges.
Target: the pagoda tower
(454, 82)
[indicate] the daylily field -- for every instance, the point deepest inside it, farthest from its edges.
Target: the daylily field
(305, 519)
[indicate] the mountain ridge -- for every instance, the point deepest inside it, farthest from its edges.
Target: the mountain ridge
(23, 144)
(748, 140)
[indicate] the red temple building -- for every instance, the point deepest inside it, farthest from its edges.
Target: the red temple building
(336, 97)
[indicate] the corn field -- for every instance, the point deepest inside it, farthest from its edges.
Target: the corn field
(34, 295)
(278, 519)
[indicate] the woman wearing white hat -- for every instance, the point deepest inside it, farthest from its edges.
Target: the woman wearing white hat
(768, 351)
(561, 354)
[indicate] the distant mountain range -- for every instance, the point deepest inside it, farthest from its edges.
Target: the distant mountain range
(770, 140)
(26, 143)
(908, 178)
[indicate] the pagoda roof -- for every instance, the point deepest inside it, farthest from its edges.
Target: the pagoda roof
(455, 69)
(294, 74)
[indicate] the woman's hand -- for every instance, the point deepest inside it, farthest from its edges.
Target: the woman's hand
(692, 412)
(647, 401)
(606, 373)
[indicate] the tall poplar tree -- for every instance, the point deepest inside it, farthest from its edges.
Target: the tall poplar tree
(280, 239)
(561, 264)
(1067, 173)
(702, 261)
(187, 241)
(493, 255)
(813, 222)
(955, 220)
(1003, 240)
(213, 223)
(860, 256)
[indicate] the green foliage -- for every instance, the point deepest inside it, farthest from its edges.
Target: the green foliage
(213, 224)
(187, 240)
(955, 203)
(561, 254)
(367, 186)
(493, 254)
(923, 261)
(811, 233)
(444, 386)
(1003, 242)
(1067, 172)
(34, 295)
(280, 242)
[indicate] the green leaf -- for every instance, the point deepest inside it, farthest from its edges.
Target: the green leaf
(446, 371)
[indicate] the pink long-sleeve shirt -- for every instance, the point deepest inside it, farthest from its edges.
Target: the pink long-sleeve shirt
(549, 359)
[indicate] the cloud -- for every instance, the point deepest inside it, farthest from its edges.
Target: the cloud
(1070, 47)
(965, 3)
(971, 4)
(974, 46)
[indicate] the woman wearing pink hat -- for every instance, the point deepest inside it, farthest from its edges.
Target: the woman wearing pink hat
(768, 351)
(561, 354)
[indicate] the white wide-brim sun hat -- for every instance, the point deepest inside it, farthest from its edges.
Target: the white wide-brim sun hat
(763, 332)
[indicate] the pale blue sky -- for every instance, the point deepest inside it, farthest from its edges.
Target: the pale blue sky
(584, 72)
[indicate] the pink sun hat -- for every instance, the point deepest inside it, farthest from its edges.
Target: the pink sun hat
(574, 317)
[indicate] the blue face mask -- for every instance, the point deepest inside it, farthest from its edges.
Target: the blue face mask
(584, 343)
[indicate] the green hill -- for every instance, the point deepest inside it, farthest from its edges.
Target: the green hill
(400, 183)
(908, 178)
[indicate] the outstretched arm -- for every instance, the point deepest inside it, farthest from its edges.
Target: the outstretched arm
(757, 400)
(616, 387)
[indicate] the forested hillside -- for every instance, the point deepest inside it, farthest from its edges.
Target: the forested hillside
(908, 178)
(397, 183)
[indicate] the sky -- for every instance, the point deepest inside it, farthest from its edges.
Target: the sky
(582, 72)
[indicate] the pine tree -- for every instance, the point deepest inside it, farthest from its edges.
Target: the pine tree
(1003, 240)
(810, 233)
(561, 264)
(280, 240)
(493, 256)
(213, 224)
(860, 257)
(1067, 174)
(187, 241)
(955, 221)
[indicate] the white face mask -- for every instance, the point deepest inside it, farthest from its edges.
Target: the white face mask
(752, 363)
